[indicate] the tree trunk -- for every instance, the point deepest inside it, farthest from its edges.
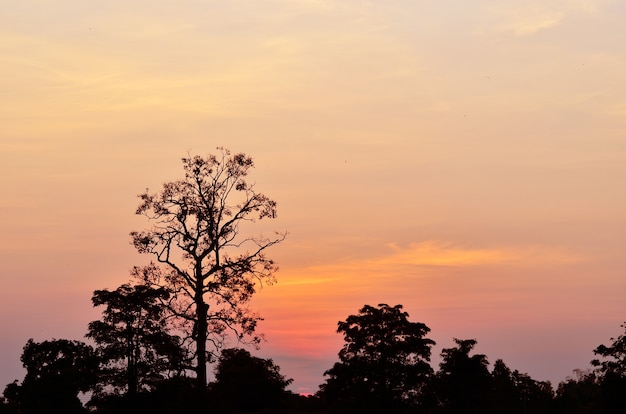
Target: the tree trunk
(202, 311)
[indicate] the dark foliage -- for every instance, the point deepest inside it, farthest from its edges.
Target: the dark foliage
(463, 383)
(56, 371)
(136, 350)
(384, 364)
(613, 357)
(579, 395)
(515, 392)
(505, 396)
(170, 396)
(383, 368)
(247, 384)
(611, 369)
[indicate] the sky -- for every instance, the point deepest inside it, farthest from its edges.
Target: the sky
(464, 159)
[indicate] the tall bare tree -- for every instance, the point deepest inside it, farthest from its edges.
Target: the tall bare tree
(203, 255)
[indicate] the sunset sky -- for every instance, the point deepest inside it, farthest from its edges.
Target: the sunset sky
(466, 159)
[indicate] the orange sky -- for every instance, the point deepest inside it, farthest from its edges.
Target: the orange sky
(465, 160)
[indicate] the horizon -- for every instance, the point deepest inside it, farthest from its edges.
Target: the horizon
(464, 161)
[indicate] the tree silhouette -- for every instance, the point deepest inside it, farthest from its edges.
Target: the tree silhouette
(516, 392)
(384, 364)
(247, 384)
(579, 395)
(463, 381)
(505, 396)
(611, 368)
(56, 371)
(133, 342)
(613, 357)
(197, 236)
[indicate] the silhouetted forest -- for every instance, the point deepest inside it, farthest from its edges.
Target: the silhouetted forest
(149, 351)
(138, 366)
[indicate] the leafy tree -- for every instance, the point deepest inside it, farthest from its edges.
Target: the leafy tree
(611, 368)
(11, 399)
(515, 392)
(384, 364)
(613, 360)
(579, 395)
(133, 341)
(463, 381)
(535, 396)
(505, 396)
(56, 371)
(247, 384)
(209, 264)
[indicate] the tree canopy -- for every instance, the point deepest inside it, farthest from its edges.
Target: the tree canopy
(244, 383)
(133, 341)
(463, 381)
(384, 362)
(56, 371)
(612, 359)
(212, 267)
(611, 371)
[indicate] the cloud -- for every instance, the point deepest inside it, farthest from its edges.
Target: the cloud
(433, 253)
(528, 25)
(528, 18)
(410, 264)
(438, 253)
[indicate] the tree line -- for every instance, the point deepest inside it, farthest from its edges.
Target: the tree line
(384, 366)
(150, 350)
(137, 366)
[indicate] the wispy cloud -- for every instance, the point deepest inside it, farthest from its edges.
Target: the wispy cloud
(530, 17)
(434, 253)
(409, 266)
(439, 253)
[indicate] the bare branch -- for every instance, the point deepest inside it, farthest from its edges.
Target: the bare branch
(212, 268)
